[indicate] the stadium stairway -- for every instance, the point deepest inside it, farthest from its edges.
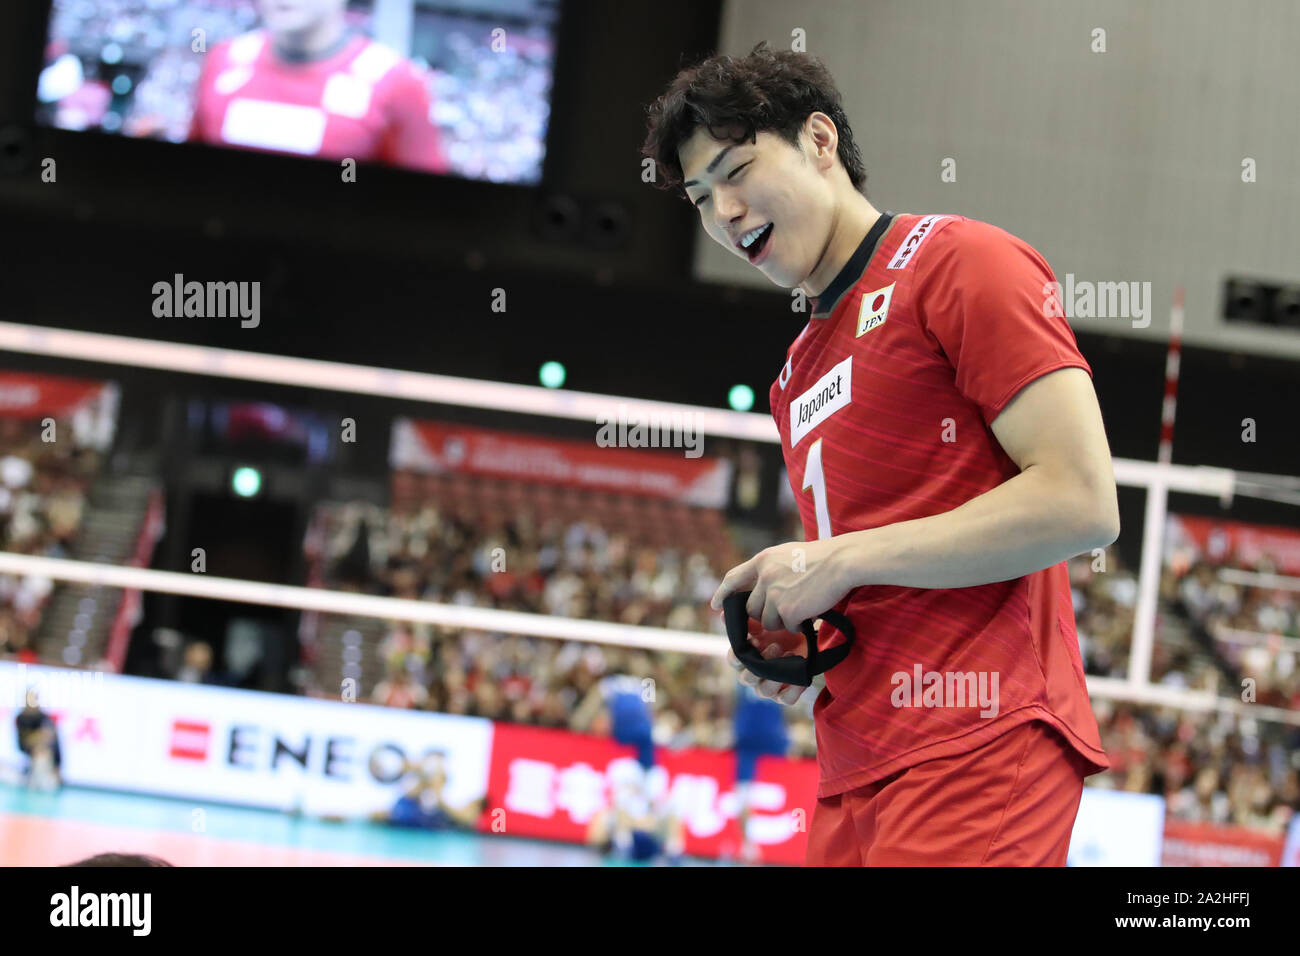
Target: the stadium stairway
(347, 640)
(75, 627)
(1183, 636)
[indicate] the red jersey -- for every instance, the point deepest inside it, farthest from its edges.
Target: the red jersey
(884, 407)
(366, 102)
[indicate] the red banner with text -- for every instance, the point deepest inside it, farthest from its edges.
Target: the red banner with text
(34, 396)
(1235, 543)
(616, 459)
(553, 783)
(1208, 844)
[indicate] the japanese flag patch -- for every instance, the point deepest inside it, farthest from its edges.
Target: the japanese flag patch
(874, 306)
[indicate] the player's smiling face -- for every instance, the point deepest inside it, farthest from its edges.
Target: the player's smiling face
(762, 200)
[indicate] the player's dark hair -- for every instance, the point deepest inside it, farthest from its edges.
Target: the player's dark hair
(120, 859)
(768, 90)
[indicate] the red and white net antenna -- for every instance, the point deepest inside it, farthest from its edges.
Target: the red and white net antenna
(1172, 361)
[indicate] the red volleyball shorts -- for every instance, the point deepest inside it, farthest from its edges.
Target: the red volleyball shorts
(1011, 802)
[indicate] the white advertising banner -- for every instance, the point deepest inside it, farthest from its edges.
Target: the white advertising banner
(277, 751)
(1116, 828)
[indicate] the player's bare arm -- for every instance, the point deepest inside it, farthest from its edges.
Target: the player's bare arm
(1062, 502)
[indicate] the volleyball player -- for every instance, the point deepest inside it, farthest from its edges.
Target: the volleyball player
(944, 444)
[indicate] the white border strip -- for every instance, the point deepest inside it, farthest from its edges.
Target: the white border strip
(370, 380)
(1114, 688)
(1234, 635)
(1197, 479)
(1159, 478)
(474, 393)
(1276, 582)
(366, 605)
(515, 622)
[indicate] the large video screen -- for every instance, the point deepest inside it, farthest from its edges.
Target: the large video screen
(459, 88)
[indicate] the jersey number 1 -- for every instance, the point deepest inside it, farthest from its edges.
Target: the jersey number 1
(815, 478)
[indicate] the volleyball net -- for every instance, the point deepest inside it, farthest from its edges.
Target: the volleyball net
(1139, 683)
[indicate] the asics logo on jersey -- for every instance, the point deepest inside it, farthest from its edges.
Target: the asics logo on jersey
(785, 374)
(913, 242)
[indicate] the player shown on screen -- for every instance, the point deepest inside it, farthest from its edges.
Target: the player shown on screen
(945, 446)
(304, 83)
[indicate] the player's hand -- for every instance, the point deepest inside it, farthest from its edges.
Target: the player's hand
(790, 583)
(770, 644)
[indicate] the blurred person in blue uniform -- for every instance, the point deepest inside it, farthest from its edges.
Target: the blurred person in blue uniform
(422, 804)
(760, 731)
(639, 825)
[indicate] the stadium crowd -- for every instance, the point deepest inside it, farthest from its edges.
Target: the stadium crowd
(43, 488)
(1194, 600)
(578, 570)
(1212, 766)
(1254, 630)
